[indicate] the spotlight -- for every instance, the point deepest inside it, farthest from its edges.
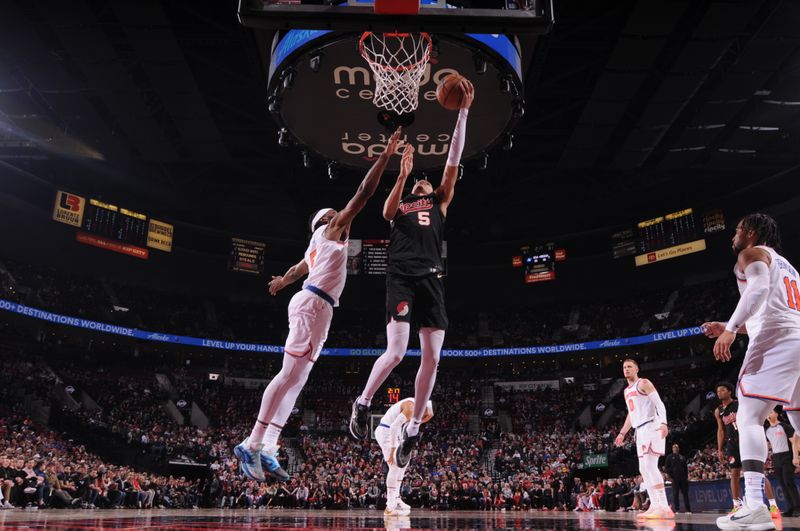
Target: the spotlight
(333, 171)
(306, 159)
(508, 142)
(479, 59)
(505, 84)
(283, 137)
(315, 61)
(519, 109)
(288, 78)
(274, 103)
(483, 161)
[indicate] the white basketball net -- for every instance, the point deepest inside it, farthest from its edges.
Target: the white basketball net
(398, 61)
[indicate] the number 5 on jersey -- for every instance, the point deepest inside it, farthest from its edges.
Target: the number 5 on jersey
(424, 218)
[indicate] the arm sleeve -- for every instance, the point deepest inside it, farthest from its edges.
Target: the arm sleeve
(457, 142)
(394, 430)
(661, 410)
(753, 295)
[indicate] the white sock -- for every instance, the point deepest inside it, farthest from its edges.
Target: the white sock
(754, 489)
(772, 501)
(413, 427)
(270, 439)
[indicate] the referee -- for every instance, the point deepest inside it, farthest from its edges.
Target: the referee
(779, 435)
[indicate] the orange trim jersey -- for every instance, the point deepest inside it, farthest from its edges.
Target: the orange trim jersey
(639, 405)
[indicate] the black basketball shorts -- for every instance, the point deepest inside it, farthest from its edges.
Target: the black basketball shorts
(416, 300)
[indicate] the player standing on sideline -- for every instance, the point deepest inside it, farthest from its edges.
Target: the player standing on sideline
(769, 312)
(782, 439)
(728, 438)
(646, 414)
(387, 433)
(310, 314)
(728, 447)
(414, 287)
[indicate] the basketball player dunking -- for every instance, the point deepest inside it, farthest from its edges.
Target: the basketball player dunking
(310, 314)
(769, 312)
(387, 433)
(648, 416)
(414, 287)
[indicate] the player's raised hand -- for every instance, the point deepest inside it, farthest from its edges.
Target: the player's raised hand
(469, 93)
(407, 163)
(391, 144)
(275, 285)
(712, 329)
(722, 348)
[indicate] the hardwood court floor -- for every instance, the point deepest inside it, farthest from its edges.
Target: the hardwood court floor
(362, 520)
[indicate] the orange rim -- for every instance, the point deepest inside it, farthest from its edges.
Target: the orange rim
(426, 57)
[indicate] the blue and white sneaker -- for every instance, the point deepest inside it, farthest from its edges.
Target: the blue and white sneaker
(270, 464)
(746, 518)
(250, 460)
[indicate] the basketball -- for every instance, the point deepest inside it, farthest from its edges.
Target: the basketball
(449, 92)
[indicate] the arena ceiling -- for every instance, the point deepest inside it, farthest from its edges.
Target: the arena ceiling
(632, 108)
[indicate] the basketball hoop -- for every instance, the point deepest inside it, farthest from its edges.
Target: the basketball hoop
(398, 62)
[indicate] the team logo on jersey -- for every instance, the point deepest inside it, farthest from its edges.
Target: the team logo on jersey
(402, 309)
(426, 203)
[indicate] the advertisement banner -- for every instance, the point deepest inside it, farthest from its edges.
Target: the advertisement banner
(68, 209)
(278, 349)
(159, 235)
(595, 461)
(716, 495)
(111, 245)
(671, 252)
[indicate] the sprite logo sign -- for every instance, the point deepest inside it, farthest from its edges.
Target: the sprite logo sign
(595, 461)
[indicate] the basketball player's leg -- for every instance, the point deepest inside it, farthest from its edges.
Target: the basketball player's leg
(399, 306)
(753, 446)
(432, 317)
(309, 320)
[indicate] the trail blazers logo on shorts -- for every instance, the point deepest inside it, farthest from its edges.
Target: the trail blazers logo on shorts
(402, 309)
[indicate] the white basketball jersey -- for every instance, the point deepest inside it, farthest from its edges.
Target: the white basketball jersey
(639, 406)
(393, 412)
(781, 311)
(327, 264)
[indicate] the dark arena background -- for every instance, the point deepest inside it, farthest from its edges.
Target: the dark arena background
(159, 161)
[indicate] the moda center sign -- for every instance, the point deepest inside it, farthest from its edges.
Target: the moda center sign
(321, 91)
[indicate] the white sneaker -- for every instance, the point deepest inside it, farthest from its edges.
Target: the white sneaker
(745, 518)
(403, 505)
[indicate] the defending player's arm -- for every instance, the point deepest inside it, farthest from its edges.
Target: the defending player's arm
(293, 274)
(445, 190)
(755, 264)
(342, 220)
(406, 412)
(626, 427)
(647, 387)
(720, 436)
(392, 202)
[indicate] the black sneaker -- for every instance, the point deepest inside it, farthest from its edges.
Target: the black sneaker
(359, 421)
(407, 443)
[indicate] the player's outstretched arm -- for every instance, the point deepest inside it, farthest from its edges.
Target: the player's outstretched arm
(342, 220)
(293, 274)
(447, 187)
(392, 202)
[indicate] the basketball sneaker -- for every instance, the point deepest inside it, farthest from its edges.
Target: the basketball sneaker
(659, 513)
(746, 518)
(403, 505)
(359, 421)
(396, 510)
(407, 444)
(250, 460)
(774, 512)
(270, 464)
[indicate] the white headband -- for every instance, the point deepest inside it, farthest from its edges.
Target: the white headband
(321, 212)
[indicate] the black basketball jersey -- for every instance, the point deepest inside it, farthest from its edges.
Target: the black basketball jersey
(728, 416)
(415, 247)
